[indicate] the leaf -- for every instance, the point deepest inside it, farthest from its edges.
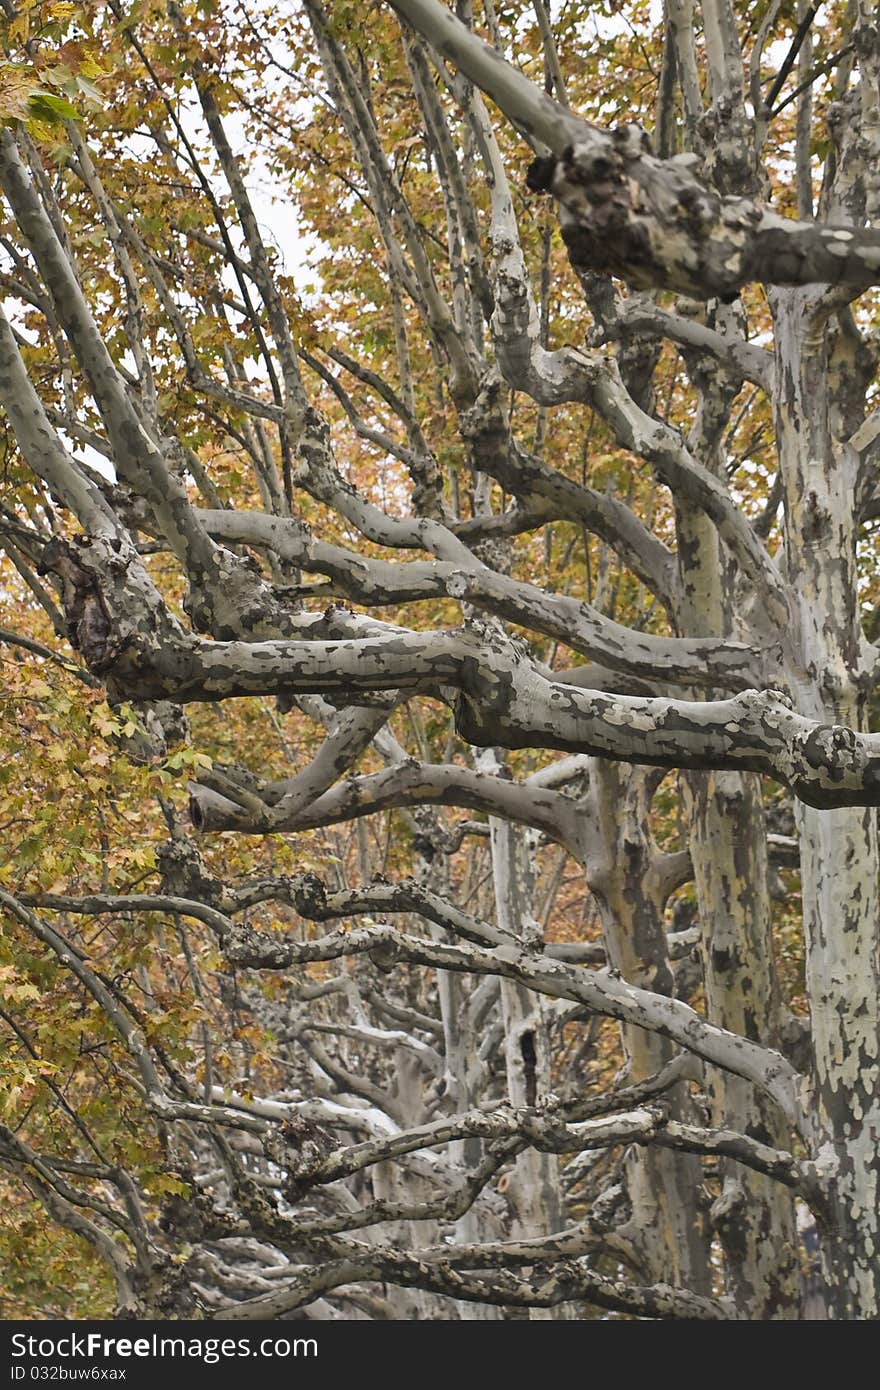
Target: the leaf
(51, 108)
(89, 90)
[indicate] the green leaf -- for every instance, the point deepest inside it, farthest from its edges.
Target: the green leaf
(48, 107)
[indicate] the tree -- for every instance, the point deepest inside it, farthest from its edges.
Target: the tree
(528, 554)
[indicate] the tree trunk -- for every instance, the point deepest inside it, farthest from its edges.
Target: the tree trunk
(667, 1226)
(753, 1216)
(839, 849)
(535, 1189)
(465, 1073)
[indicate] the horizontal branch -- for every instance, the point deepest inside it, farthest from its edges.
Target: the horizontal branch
(682, 660)
(499, 696)
(569, 1280)
(406, 784)
(601, 991)
(504, 701)
(549, 1133)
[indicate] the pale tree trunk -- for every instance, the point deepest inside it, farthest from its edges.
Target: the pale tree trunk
(465, 1072)
(535, 1186)
(667, 1227)
(753, 1216)
(839, 850)
(388, 1186)
(534, 1190)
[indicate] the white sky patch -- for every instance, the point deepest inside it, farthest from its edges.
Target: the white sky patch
(86, 454)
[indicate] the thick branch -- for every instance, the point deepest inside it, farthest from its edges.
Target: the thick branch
(647, 220)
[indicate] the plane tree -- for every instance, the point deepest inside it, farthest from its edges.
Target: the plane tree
(536, 533)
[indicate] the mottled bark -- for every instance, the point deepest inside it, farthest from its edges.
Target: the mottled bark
(667, 1226)
(754, 1218)
(534, 1191)
(650, 221)
(840, 868)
